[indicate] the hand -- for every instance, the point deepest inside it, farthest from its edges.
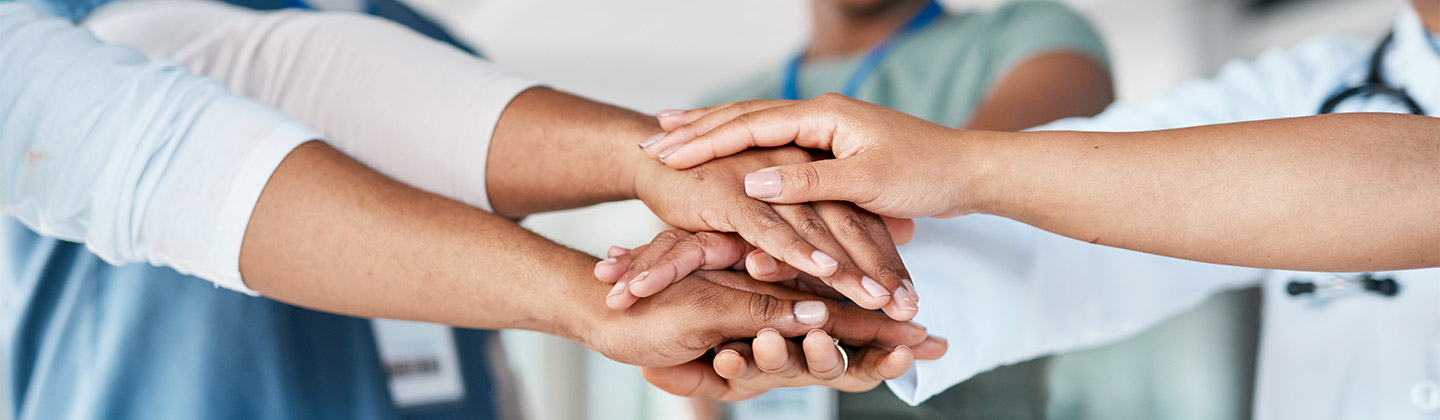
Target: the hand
(744, 370)
(675, 253)
(887, 162)
(848, 249)
(710, 308)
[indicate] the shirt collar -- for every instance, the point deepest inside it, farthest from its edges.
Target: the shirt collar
(1413, 62)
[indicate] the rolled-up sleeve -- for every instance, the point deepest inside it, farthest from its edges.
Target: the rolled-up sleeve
(141, 160)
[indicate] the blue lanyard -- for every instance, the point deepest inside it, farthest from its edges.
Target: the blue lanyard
(301, 4)
(789, 85)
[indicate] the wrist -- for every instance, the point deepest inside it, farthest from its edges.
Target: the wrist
(567, 304)
(1013, 172)
(987, 163)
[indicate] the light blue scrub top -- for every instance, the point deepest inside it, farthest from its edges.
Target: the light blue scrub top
(85, 339)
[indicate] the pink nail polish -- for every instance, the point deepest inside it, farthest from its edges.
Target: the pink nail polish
(619, 287)
(651, 140)
(874, 287)
(822, 260)
(904, 300)
(669, 151)
(911, 287)
(669, 112)
(639, 278)
(763, 184)
(810, 312)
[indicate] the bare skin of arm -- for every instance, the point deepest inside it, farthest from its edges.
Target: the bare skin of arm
(1046, 88)
(329, 233)
(1342, 192)
(1347, 192)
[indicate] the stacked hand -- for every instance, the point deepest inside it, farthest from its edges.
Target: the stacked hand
(847, 249)
(886, 161)
(878, 349)
(812, 214)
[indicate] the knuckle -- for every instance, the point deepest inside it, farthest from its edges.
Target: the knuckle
(853, 226)
(813, 227)
(764, 308)
(672, 235)
(805, 177)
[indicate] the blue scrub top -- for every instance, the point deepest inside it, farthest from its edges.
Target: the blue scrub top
(85, 339)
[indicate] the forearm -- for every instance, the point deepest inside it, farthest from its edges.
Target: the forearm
(1356, 192)
(553, 150)
(332, 235)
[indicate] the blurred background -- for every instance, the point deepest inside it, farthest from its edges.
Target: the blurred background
(650, 55)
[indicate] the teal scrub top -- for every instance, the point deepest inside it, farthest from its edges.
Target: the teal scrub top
(943, 71)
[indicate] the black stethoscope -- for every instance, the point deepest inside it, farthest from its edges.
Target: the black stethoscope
(1373, 85)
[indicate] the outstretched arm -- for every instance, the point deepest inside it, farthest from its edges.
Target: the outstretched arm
(1345, 192)
(330, 234)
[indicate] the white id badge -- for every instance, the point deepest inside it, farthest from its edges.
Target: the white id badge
(420, 361)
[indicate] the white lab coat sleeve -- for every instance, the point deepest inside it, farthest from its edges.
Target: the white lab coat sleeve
(141, 160)
(1281, 83)
(1003, 292)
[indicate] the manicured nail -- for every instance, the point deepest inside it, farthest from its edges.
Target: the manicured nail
(810, 312)
(765, 184)
(904, 300)
(651, 140)
(770, 330)
(873, 287)
(764, 264)
(607, 261)
(911, 287)
(669, 112)
(822, 260)
(616, 251)
(619, 287)
(669, 151)
(639, 278)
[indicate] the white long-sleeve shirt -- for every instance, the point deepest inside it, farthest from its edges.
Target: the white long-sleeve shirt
(147, 162)
(142, 160)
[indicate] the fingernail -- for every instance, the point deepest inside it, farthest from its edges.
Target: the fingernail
(762, 331)
(607, 261)
(667, 152)
(810, 312)
(651, 140)
(905, 300)
(911, 287)
(669, 112)
(619, 287)
(822, 260)
(616, 251)
(763, 184)
(764, 264)
(639, 278)
(817, 330)
(873, 287)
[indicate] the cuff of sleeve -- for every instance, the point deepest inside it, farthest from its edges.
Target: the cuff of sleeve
(240, 203)
(468, 162)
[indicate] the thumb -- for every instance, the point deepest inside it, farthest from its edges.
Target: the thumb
(823, 180)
